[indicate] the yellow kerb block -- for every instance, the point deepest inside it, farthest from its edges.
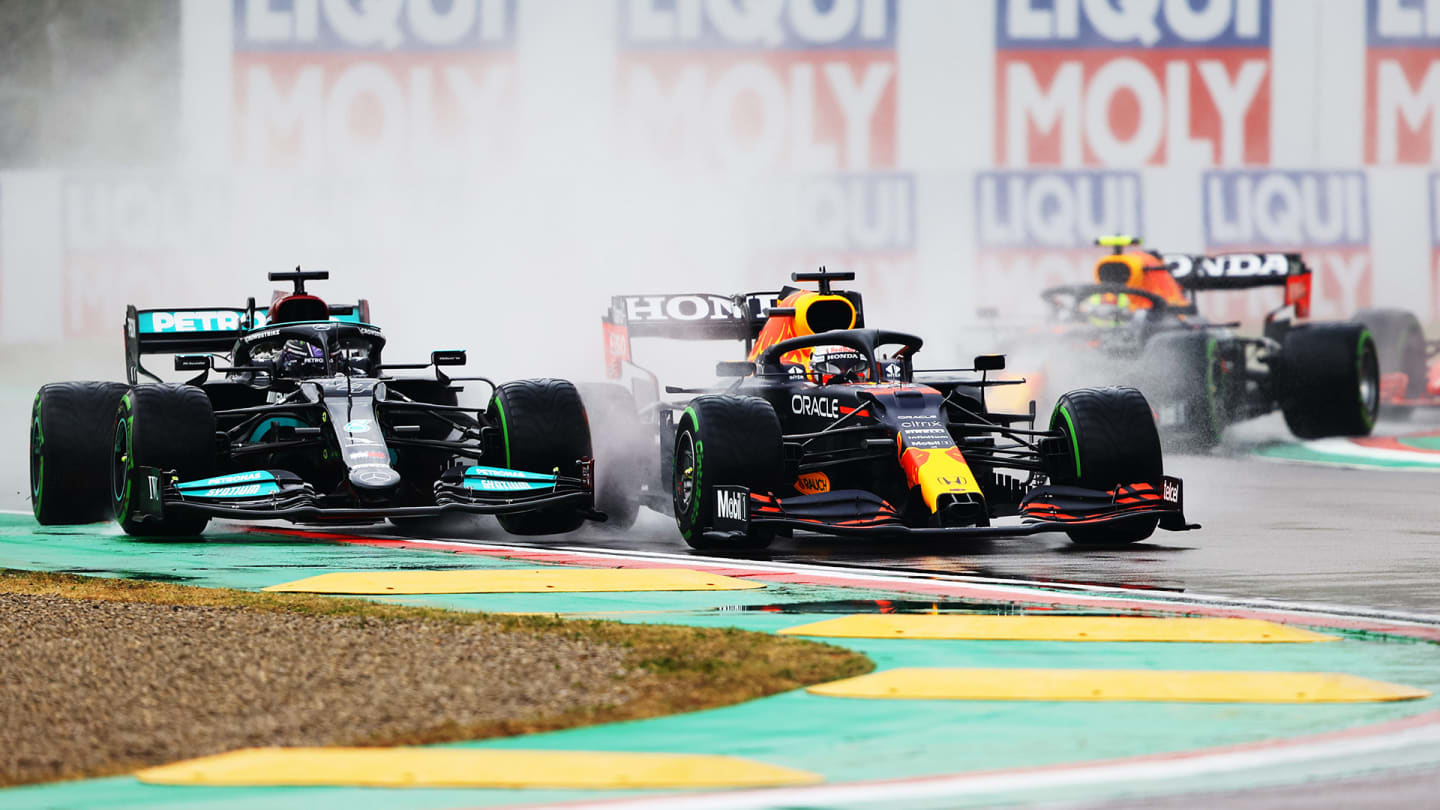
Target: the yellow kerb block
(1166, 686)
(472, 768)
(1055, 628)
(516, 580)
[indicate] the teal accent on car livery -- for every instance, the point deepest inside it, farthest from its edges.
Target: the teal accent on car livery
(266, 425)
(252, 484)
(166, 322)
(499, 479)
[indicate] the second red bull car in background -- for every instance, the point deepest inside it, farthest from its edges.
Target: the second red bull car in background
(827, 426)
(1139, 324)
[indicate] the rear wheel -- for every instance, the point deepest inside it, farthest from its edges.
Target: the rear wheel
(169, 427)
(1329, 380)
(724, 440)
(70, 440)
(1112, 440)
(544, 430)
(1400, 346)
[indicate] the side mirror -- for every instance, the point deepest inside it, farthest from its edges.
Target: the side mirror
(734, 368)
(193, 362)
(448, 357)
(990, 362)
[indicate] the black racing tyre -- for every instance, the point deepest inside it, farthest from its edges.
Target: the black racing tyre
(1328, 381)
(70, 439)
(724, 439)
(1184, 378)
(1112, 439)
(544, 429)
(1400, 345)
(170, 427)
(626, 452)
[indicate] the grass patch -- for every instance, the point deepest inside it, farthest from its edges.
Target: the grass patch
(663, 669)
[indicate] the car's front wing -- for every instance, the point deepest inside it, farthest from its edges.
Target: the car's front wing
(859, 513)
(283, 495)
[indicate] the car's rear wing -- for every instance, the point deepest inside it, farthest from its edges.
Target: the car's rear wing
(203, 330)
(690, 316)
(1245, 271)
(694, 316)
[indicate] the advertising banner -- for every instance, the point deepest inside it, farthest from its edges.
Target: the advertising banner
(1323, 214)
(137, 238)
(1096, 83)
(1402, 82)
(335, 84)
(860, 221)
(1037, 229)
(798, 85)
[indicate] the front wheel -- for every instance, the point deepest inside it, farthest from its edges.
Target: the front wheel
(169, 427)
(724, 440)
(543, 430)
(1329, 380)
(70, 439)
(1112, 440)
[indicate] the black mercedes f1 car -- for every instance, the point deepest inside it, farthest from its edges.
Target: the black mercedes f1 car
(306, 422)
(1140, 325)
(828, 427)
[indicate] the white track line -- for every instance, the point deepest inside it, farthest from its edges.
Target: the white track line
(1001, 588)
(1180, 766)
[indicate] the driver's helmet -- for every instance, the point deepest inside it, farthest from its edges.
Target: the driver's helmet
(301, 358)
(838, 364)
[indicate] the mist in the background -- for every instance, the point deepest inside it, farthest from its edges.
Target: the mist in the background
(488, 173)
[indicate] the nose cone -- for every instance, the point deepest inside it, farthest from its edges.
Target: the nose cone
(374, 478)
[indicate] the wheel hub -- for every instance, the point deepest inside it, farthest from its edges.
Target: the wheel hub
(685, 467)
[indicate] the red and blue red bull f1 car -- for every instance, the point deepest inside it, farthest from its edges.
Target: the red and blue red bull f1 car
(829, 427)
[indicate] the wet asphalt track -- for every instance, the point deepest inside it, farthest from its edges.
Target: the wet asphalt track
(1361, 538)
(1271, 530)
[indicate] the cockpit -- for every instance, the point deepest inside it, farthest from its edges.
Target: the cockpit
(303, 351)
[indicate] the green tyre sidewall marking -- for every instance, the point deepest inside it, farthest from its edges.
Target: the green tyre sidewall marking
(504, 431)
(696, 495)
(1074, 439)
(37, 487)
(1365, 413)
(122, 503)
